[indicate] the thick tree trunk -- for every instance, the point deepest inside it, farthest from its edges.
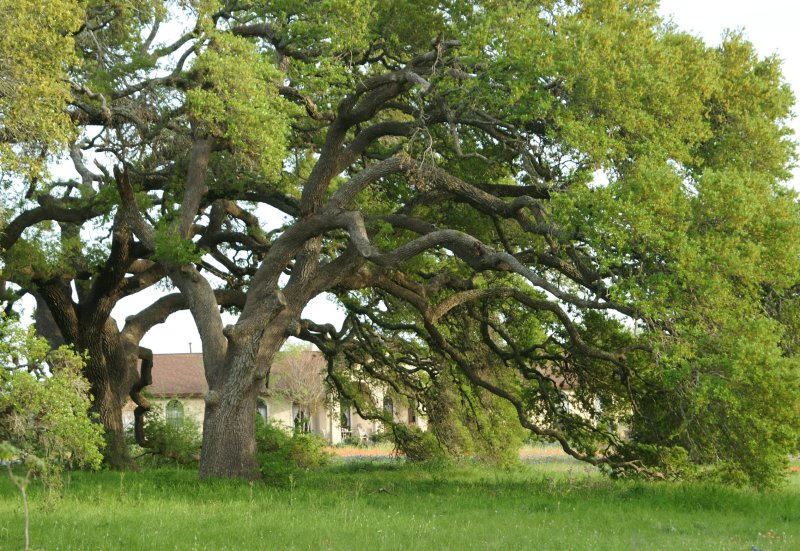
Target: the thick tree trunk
(229, 425)
(110, 366)
(109, 409)
(111, 370)
(229, 435)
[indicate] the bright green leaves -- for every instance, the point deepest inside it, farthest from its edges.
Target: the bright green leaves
(751, 227)
(630, 87)
(171, 248)
(329, 27)
(238, 101)
(735, 403)
(44, 417)
(44, 254)
(36, 51)
(408, 26)
(748, 110)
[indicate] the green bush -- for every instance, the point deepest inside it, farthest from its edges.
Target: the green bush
(171, 443)
(281, 453)
(350, 440)
(416, 444)
(271, 437)
(379, 437)
(307, 451)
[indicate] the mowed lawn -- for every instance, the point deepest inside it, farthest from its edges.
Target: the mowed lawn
(393, 505)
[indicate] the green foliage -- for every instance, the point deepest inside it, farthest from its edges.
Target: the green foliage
(306, 451)
(237, 100)
(281, 454)
(469, 422)
(416, 444)
(42, 253)
(44, 401)
(658, 252)
(169, 247)
(37, 49)
(169, 442)
(271, 437)
(334, 26)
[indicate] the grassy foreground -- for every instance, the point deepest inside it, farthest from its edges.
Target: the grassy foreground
(391, 505)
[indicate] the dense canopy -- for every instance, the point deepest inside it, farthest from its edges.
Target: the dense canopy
(510, 199)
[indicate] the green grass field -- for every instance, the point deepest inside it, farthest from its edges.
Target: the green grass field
(392, 505)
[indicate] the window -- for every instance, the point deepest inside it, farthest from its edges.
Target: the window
(412, 412)
(174, 414)
(262, 409)
(388, 406)
(344, 410)
(565, 404)
(301, 418)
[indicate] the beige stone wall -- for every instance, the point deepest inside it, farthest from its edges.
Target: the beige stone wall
(193, 408)
(280, 411)
(325, 419)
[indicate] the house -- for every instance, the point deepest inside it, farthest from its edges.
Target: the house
(297, 397)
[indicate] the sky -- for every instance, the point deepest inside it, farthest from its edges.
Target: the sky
(771, 25)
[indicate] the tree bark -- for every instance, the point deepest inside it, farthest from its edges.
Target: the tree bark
(229, 448)
(111, 370)
(229, 444)
(109, 410)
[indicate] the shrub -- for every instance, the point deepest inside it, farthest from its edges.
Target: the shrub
(173, 443)
(379, 437)
(281, 453)
(271, 436)
(350, 440)
(416, 444)
(44, 404)
(307, 451)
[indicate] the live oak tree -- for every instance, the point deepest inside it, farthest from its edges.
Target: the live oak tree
(526, 193)
(76, 277)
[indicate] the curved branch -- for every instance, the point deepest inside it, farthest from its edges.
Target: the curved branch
(65, 210)
(142, 403)
(137, 325)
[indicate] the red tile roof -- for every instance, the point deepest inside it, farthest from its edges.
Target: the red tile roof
(182, 375)
(178, 375)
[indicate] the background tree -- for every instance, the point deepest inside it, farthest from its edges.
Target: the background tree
(299, 376)
(62, 241)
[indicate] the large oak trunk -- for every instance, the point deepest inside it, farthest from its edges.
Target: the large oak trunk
(229, 438)
(111, 370)
(109, 409)
(229, 425)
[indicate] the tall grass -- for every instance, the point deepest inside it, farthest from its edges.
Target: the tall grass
(393, 505)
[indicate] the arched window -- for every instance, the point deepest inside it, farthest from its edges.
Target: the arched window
(262, 409)
(174, 414)
(388, 406)
(412, 412)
